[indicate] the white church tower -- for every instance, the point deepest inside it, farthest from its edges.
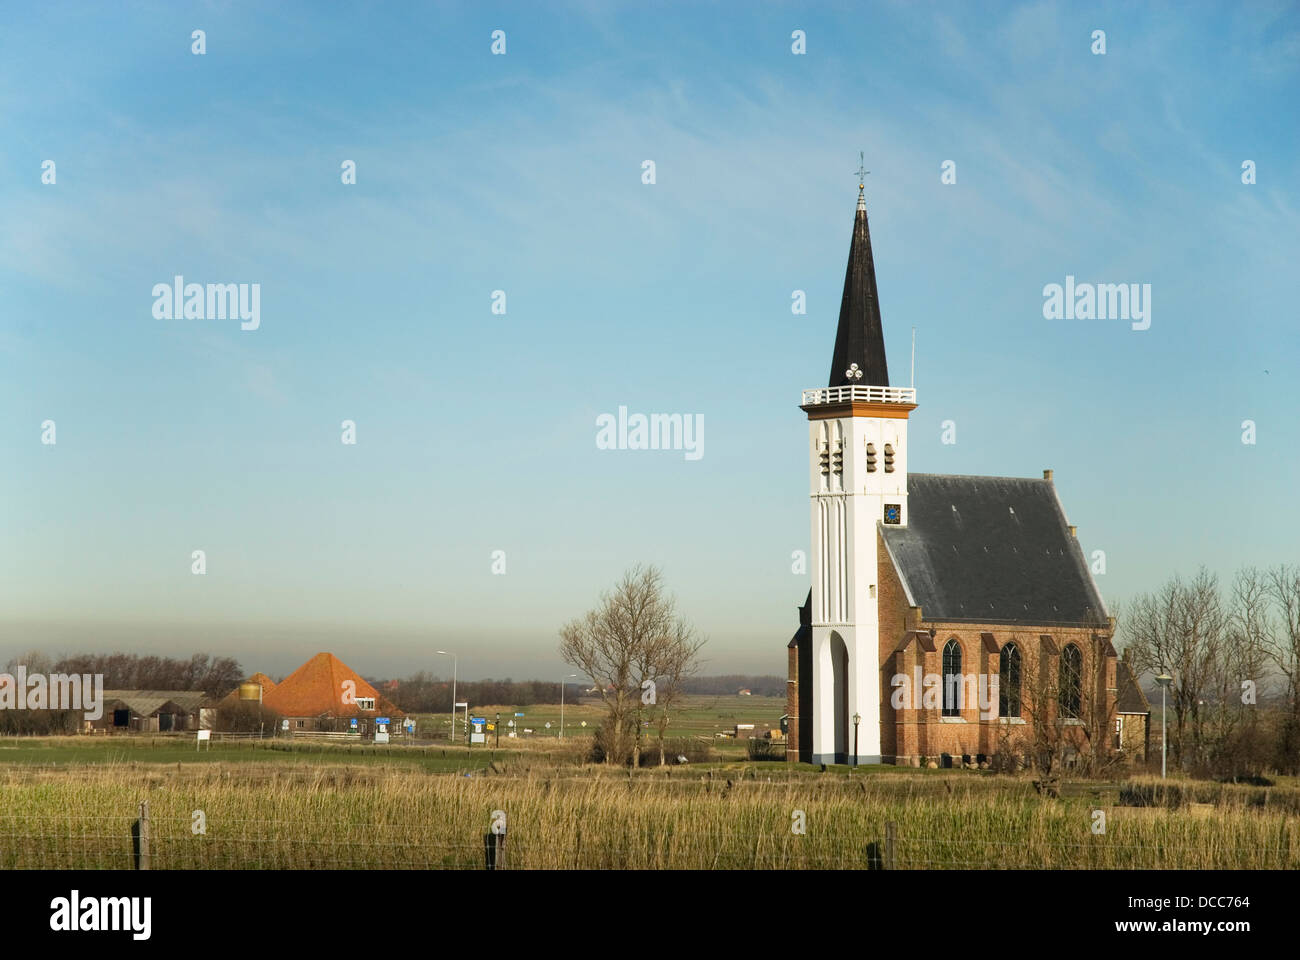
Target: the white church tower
(857, 449)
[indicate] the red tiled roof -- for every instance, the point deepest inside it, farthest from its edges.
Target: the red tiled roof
(318, 687)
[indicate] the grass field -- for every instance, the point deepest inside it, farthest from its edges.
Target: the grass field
(72, 802)
(699, 716)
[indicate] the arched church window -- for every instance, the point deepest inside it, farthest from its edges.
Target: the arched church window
(1071, 681)
(951, 678)
(1009, 680)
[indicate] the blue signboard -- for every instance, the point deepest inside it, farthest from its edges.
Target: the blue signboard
(518, 714)
(477, 721)
(381, 719)
(354, 722)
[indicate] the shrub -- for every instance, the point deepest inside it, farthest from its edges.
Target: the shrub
(695, 751)
(247, 717)
(602, 742)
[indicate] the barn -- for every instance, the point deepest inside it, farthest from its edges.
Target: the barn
(150, 711)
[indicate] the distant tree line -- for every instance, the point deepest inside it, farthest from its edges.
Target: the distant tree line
(428, 693)
(215, 676)
(425, 693)
(729, 684)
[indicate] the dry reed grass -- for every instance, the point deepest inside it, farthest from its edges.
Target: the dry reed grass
(335, 816)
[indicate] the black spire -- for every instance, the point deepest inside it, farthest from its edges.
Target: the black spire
(860, 339)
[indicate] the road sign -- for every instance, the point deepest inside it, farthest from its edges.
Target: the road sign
(548, 724)
(284, 724)
(518, 714)
(354, 723)
(584, 723)
(381, 719)
(512, 723)
(492, 726)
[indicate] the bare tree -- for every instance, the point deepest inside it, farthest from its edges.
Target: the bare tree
(669, 660)
(1283, 647)
(1231, 730)
(33, 660)
(1181, 630)
(636, 650)
(1067, 704)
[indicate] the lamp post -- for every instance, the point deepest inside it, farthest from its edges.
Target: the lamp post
(857, 718)
(569, 677)
(1164, 680)
(453, 693)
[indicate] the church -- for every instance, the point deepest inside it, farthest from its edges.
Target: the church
(951, 620)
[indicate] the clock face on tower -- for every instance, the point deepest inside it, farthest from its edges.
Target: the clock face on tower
(893, 513)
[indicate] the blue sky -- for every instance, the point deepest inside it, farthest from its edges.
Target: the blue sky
(522, 172)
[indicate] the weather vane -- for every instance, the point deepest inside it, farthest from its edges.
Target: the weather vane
(861, 171)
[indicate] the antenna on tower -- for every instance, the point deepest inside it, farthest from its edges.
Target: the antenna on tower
(914, 358)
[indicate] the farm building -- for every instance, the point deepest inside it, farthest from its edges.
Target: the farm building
(1133, 716)
(150, 711)
(326, 694)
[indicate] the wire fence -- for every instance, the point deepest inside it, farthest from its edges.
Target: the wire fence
(145, 842)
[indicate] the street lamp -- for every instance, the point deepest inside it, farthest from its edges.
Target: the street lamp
(857, 718)
(569, 677)
(1164, 680)
(453, 693)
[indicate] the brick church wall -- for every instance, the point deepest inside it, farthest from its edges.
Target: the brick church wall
(792, 706)
(914, 736)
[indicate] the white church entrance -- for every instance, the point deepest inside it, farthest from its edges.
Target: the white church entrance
(840, 680)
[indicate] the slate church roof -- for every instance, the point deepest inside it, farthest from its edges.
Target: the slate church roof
(991, 550)
(1131, 697)
(860, 339)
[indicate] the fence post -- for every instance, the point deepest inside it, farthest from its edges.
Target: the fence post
(890, 828)
(494, 851)
(142, 837)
